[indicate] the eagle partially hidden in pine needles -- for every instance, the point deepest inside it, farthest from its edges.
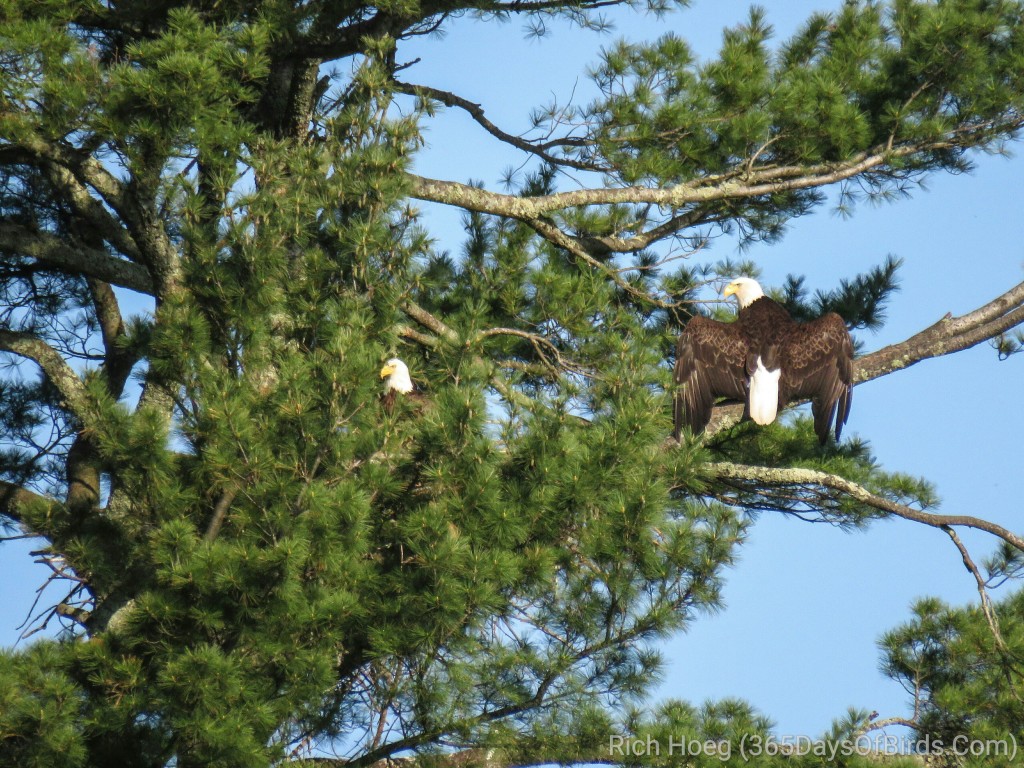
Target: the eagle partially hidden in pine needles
(398, 382)
(764, 359)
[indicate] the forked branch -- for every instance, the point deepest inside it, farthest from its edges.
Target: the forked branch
(986, 602)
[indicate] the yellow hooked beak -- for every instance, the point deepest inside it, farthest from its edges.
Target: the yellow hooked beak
(387, 370)
(730, 290)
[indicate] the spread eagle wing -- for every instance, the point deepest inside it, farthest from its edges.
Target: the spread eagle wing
(711, 359)
(818, 363)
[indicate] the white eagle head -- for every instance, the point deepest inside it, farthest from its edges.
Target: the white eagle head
(746, 291)
(397, 374)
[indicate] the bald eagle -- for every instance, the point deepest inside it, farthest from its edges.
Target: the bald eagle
(763, 359)
(399, 382)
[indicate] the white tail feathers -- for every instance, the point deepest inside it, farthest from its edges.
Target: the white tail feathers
(764, 394)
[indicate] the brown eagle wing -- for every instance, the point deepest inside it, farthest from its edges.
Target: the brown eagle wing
(817, 362)
(710, 362)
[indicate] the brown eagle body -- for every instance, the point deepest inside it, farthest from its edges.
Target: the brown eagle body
(764, 359)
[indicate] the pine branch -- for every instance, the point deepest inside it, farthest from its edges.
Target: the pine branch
(424, 318)
(547, 352)
(539, 149)
(423, 339)
(220, 511)
(342, 33)
(795, 482)
(692, 218)
(118, 361)
(950, 334)
(384, 752)
(556, 236)
(882, 724)
(532, 6)
(87, 208)
(475, 757)
(483, 758)
(782, 478)
(137, 231)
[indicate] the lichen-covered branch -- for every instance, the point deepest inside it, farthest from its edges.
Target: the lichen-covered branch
(766, 180)
(61, 255)
(950, 334)
(88, 208)
(53, 366)
(756, 478)
(73, 258)
(426, 319)
(136, 231)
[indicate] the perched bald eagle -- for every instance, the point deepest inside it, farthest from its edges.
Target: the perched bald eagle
(399, 382)
(763, 359)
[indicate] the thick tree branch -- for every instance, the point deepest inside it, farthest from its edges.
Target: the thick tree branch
(220, 511)
(118, 361)
(950, 334)
(137, 231)
(424, 318)
(766, 180)
(888, 722)
(88, 209)
(756, 478)
(52, 364)
(13, 497)
(56, 253)
(423, 339)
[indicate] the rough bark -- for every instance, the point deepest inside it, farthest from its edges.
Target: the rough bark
(740, 184)
(53, 366)
(64, 255)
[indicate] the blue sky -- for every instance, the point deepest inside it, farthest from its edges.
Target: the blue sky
(806, 603)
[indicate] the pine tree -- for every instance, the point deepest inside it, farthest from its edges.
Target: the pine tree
(964, 679)
(263, 564)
